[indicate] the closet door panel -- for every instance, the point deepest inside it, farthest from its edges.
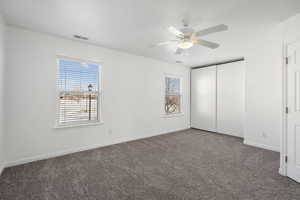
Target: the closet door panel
(230, 98)
(203, 98)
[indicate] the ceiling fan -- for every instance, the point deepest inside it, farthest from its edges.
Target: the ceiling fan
(187, 37)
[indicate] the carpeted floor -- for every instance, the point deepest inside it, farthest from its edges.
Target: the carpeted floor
(184, 165)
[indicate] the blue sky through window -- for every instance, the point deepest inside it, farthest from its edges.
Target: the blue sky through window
(172, 86)
(76, 75)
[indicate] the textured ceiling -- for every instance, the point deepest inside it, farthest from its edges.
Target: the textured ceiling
(133, 25)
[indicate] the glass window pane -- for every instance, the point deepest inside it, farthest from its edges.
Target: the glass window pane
(172, 86)
(78, 84)
(172, 104)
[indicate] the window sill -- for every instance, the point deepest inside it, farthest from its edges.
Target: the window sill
(173, 115)
(78, 125)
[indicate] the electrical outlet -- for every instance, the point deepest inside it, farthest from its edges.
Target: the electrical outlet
(109, 131)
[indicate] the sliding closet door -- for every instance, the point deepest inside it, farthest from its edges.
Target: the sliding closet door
(230, 98)
(203, 98)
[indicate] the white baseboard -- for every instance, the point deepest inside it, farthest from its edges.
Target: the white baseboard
(70, 151)
(50, 155)
(1, 169)
(281, 172)
(262, 146)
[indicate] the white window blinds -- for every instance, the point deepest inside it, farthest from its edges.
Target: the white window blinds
(78, 91)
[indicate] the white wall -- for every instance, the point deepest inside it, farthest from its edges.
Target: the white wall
(264, 88)
(261, 46)
(2, 30)
(291, 34)
(132, 102)
(31, 71)
(291, 31)
(264, 59)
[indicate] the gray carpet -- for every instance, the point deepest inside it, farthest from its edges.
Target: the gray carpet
(183, 165)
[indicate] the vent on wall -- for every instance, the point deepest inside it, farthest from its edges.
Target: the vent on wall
(80, 37)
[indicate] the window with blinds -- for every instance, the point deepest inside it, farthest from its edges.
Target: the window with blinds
(78, 92)
(172, 95)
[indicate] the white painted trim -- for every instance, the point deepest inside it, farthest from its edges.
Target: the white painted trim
(180, 77)
(190, 98)
(239, 136)
(1, 169)
(283, 136)
(79, 149)
(262, 146)
(173, 115)
(281, 171)
(94, 123)
(99, 121)
(79, 59)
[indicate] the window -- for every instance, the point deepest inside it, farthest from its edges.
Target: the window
(78, 92)
(173, 96)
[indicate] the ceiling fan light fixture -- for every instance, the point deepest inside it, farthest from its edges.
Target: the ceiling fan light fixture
(185, 45)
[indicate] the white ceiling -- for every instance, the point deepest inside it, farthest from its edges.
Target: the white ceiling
(133, 25)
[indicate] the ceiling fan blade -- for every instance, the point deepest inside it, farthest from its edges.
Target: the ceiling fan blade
(178, 51)
(175, 31)
(164, 43)
(208, 44)
(213, 29)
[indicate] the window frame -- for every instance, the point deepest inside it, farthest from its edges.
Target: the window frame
(99, 120)
(181, 113)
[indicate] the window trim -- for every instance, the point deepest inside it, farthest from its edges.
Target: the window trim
(181, 113)
(99, 121)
